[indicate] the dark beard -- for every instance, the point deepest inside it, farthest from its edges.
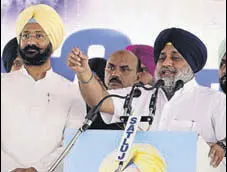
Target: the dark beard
(222, 81)
(34, 58)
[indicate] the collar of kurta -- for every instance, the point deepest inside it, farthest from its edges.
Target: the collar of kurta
(190, 84)
(48, 73)
(188, 87)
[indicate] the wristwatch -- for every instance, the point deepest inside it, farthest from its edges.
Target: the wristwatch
(222, 145)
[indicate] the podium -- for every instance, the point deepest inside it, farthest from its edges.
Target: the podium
(181, 151)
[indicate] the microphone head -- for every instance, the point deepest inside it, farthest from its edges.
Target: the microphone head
(137, 93)
(159, 83)
(179, 84)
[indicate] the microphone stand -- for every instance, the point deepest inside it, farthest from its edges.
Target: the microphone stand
(128, 101)
(127, 112)
(65, 151)
(89, 119)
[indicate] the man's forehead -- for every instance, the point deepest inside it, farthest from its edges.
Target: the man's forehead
(33, 27)
(169, 47)
(122, 56)
(117, 63)
(121, 61)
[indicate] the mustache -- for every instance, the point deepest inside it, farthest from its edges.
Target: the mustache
(168, 69)
(115, 79)
(31, 47)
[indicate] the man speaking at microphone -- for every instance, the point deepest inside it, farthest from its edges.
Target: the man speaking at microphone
(36, 103)
(178, 54)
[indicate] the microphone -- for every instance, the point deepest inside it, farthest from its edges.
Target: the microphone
(152, 105)
(135, 92)
(179, 85)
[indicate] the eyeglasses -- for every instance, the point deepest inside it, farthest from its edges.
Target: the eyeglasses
(40, 36)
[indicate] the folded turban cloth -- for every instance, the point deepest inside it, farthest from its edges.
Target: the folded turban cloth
(221, 51)
(98, 65)
(146, 54)
(9, 54)
(145, 157)
(189, 46)
(47, 18)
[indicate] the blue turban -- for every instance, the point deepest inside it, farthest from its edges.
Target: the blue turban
(189, 46)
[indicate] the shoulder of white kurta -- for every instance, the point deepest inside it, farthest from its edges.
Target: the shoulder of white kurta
(64, 81)
(216, 98)
(207, 91)
(71, 88)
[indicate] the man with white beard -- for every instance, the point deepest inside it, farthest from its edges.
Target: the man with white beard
(178, 55)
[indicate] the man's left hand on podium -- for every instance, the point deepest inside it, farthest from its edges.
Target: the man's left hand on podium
(217, 153)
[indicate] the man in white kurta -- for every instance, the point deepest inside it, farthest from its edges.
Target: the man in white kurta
(36, 103)
(193, 107)
(34, 116)
(178, 56)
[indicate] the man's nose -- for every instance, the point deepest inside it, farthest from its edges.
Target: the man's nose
(167, 62)
(116, 72)
(32, 40)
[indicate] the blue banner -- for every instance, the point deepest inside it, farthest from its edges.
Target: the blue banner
(177, 149)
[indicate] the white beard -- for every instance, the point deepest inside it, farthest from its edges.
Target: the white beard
(185, 75)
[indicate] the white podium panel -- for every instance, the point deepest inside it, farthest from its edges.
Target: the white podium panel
(203, 161)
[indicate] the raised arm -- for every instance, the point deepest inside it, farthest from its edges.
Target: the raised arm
(91, 90)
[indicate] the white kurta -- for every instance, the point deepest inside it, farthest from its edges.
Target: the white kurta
(192, 108)
(34, 115)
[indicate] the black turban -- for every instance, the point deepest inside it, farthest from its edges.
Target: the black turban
(9, 54)
(98, 66)
(190, 46)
